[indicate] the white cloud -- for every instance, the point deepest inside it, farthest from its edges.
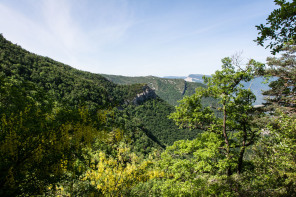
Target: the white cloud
(56, 33)
(121, 37)
(58, 22)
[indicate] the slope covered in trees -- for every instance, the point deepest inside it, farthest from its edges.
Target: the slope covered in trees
(51, 114)
(71, 87)
(103, 139)
(64, 83)
(54, 118)
(170, 90)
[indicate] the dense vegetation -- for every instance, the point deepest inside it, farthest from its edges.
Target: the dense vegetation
(170, 90)
(70, 87)
(280, 26)
(64, 132)
(52, 116)
(52, 113)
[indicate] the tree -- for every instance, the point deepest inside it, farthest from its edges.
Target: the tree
(231, 120)
(112, 175)
(274, 153)
(275, 156)
(280, 27)
(39, 142)
(281, 30)
(282, 92)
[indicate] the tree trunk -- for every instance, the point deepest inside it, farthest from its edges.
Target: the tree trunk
(240, 160)
(226, 139)
(242, 151)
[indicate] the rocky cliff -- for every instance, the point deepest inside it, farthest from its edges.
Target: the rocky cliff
(147, 94)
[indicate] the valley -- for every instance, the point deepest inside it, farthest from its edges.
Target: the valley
(69, 132)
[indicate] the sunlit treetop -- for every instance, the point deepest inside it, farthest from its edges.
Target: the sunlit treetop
(280, 26)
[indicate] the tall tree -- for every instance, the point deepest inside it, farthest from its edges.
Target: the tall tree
(282, 92)
(280, 31)
(274, 153)
(232, 119)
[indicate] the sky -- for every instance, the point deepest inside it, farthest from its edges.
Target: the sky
(137, 37)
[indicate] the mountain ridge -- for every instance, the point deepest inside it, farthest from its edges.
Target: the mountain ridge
(170, 90)
(257, 85)
(71, 87)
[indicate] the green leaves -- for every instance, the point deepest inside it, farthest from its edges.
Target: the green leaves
(275, 157)
(280, 26)
(39, 142)
(190, 113)
(282, 90)
(231, 120)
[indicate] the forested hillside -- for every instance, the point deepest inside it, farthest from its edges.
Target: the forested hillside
(65, 132)
(67, 96)
(170, 90)
(72, 87)
(174, 88)
(64, 83)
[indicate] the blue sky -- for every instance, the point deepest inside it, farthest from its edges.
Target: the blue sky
(137, 37)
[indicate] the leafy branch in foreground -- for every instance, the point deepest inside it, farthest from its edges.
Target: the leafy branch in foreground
(280, 26)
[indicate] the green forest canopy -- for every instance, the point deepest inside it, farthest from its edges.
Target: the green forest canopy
(67, 132)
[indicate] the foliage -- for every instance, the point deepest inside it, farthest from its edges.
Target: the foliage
(107, 174)
(51, 114)
(67, 86)
(280, 26)
(274, 158)
(67, 132)
(191, 168)
(170, 90)
(232, 118)
(116, 176)
(152, 118)
(274, 153)
(38, 141)
(283, 90)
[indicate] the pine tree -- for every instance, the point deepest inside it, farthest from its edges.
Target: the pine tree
(282, 93)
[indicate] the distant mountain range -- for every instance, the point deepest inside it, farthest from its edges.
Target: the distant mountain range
(189, 78)
(256, 85)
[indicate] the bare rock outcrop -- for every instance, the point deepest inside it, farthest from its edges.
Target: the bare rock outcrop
(147, 94)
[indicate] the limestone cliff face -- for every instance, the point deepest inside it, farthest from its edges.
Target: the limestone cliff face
(147, 93)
